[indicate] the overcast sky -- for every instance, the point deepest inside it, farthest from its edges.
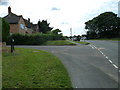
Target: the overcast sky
(62, 14)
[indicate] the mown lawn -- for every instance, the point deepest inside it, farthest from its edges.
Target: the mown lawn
(31, 68)
(58, 42)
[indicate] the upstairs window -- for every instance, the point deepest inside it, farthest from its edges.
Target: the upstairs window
(22, 26)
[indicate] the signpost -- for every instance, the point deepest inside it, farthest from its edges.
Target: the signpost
(12, 45)
(71, 33)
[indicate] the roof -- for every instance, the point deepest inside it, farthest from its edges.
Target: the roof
(27, 23)
(12, 18)
(34, 25)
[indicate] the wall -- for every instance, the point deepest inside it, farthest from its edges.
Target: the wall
(29, 31)
(14, 28)
(21, 31)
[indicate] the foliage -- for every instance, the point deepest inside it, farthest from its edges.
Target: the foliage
(56, 31)
(35, 39)
(44, 26)
(106, 25)
(26, 68)
(0, 29)
(76, 38)
(59, 42)
(5, 30)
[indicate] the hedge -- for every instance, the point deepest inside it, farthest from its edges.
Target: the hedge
(36, 39)
(5, 29)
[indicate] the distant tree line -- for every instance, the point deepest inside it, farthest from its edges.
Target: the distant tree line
(106, 25)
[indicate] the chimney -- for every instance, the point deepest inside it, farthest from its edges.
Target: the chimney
(29, 19)
(9, 10)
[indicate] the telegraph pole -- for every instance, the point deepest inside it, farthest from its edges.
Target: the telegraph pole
(70, 31)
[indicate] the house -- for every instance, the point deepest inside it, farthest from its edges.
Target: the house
(31, 27)
(20, 25)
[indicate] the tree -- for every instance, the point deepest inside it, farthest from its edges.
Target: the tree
(56, 31)
(44, 26)
(106, 25)
(5, 30)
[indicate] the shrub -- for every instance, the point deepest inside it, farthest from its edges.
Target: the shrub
(35, 39)
(5, 30)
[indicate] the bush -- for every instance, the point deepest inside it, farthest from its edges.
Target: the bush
(5, 30)
(35, 39)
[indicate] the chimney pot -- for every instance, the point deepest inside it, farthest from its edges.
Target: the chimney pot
(9, 10)
(29, 19)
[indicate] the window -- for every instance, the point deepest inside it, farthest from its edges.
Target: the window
(22, 26)
(25, 28)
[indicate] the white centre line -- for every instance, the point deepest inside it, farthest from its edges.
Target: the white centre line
(110, 61)
(105, 56)
(91, 46)
(115, 66)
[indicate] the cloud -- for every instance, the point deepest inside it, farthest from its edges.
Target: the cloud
(119, 9)
(64, 23)
(62, 14)
(55, 9)
(4, 2)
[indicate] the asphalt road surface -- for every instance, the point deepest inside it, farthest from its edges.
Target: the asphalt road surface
(89, 66)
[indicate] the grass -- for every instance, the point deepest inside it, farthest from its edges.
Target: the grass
(59, 42)
(82, 42)
(31, 68)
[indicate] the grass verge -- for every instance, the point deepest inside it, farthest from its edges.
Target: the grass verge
(58, 42)
(31, 68)
(82, 42)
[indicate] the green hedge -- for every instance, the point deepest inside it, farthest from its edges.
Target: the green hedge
(4, 25)
(35, 39)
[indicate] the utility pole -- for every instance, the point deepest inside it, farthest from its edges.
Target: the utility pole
(71, 32)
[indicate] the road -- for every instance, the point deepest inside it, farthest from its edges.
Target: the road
(89, 66)
(109, 48)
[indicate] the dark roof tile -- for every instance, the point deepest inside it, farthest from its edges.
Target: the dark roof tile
(27, 23)
(12, 18)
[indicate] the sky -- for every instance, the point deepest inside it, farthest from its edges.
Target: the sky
(61, 14)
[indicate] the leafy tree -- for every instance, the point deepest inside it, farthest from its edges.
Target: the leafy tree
(56, 31)
(0, 29)
(44, 26)
(106, 25)
(5, 30)
(78, 38)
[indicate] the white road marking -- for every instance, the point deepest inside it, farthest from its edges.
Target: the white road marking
(115, 66)
(105, 56)
(100, 48)
(94, 47)
(102, 52)
(91, 46)
(110, 61)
